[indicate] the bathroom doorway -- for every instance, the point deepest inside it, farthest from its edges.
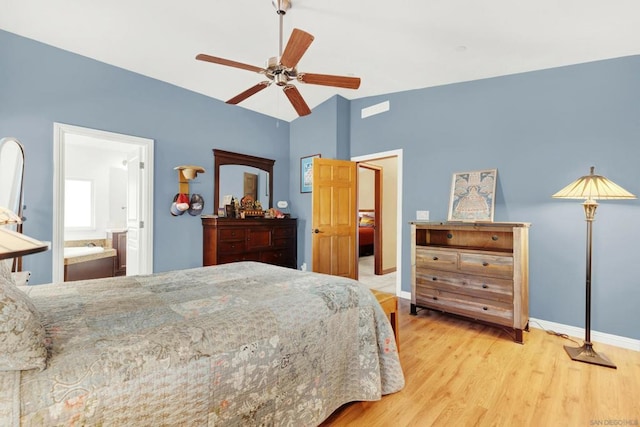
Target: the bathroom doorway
(103, 190)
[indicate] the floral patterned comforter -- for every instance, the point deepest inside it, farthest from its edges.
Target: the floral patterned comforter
(235, 344)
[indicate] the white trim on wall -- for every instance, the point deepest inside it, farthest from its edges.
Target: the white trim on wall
(397, 154)
(60, 133)
(597, 337)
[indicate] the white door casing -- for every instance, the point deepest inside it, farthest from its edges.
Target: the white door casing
(62, 132)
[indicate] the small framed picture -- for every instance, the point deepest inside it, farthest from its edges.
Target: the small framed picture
(473, 196)
(306, 173)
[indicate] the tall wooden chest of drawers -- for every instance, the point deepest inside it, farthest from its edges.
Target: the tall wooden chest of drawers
(273, 241)
(476, 270)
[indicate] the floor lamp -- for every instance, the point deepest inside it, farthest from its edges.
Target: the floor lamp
(591, 188)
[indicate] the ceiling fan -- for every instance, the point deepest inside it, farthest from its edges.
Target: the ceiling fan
(281, 70)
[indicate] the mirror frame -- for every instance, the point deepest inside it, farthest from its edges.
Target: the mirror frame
(17, 262)
(20, 192)
(222, 157)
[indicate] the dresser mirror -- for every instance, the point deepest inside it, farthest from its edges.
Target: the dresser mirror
(11, 176)
(235, 174)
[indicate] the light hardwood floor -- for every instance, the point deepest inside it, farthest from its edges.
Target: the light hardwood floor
(459, 373)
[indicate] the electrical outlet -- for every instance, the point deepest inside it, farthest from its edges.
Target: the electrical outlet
(422, 215)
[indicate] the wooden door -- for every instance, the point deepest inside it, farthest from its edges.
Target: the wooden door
(334, 217)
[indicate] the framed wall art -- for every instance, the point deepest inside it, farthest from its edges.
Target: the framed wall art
(306, 173)
(473, 196)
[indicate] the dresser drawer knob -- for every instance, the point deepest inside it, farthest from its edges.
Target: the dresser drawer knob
(485, 308)
(494, 238)
(485, 264)
(435, 258)
(435, 298)
(434, 278)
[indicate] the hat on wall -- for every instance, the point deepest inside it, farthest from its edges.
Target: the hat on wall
(174, 206)
(196, 205)
(182, 204)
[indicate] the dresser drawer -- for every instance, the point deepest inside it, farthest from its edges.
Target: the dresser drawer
(231, 246)
(476, 308)
(436, 258)
(473, 286)
(237, 257)
(485, 264)
(258, 238)
(282, 243)
(284, 232)
(232, 234)
(278, 257)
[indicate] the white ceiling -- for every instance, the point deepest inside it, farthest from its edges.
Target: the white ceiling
(392, 45)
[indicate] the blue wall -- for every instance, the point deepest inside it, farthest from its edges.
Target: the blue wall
(541, 130)
(40, 85)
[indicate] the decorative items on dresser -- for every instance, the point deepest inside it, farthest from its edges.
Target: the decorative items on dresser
(272, 241)
(476, 270)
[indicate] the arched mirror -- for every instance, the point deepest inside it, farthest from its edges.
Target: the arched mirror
(233, 172)
(11, 176)
(11, 183)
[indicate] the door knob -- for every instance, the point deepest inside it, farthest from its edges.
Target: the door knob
(316, 231)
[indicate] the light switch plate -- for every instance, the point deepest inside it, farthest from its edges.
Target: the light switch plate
(422, 215)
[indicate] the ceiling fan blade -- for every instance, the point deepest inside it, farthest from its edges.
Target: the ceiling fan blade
(247, 93)
(229, 63)
(297, 45)
(296, 100)
(329, 80)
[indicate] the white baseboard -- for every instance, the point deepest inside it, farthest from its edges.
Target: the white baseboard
(573, 331)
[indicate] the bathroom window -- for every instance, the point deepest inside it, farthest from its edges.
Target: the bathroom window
(79, 204)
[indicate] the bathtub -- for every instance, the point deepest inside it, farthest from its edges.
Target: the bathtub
(88, 262)
(75, 251)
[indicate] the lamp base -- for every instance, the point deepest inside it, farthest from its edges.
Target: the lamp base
(588, 355)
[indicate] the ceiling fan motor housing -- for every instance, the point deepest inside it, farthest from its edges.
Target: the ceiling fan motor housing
(281, 6)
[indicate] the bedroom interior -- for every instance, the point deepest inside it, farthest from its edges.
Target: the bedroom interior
(539, 123)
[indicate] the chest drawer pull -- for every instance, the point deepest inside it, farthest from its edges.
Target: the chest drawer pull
(435, 298)
(485, 286)
(435, 258)
(485, 308)
(434, 278)
(485, 264)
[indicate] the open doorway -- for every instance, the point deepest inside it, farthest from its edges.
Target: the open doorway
(103, 194)
(382, 269)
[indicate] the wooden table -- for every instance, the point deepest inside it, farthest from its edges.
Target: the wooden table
(389, 304)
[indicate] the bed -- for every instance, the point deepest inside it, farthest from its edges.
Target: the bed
(366, 225)
(234, 344)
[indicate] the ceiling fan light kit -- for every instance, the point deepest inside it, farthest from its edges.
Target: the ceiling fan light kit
(282, 70)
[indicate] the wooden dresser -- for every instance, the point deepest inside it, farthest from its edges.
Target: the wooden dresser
(273, 241)
(476, 270)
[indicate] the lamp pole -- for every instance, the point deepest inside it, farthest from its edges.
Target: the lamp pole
(586, 353)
